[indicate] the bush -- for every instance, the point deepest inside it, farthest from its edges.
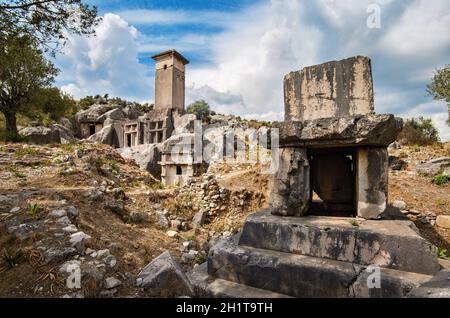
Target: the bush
(440, 179)
(86, 102)
(201, 109)
(12, 137)
(419, 131)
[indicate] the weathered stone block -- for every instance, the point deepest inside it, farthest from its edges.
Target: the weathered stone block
(220, 288)
(290, 186)
(332, 89)
(372, 182)
(392, 283)
(370, 130)
(386, 243)
(289, 274)
(443, 221)
(163, 277)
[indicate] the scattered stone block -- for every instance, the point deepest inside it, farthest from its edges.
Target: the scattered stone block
(443, 221)
(112, 282)
(199, 218)
(79, 240)
(163, 277)
(434, 166)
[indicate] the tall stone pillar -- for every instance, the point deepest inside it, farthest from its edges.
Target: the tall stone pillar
(290, 186)
(372, 182)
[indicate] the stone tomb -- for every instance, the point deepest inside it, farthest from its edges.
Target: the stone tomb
(327, 229)
(333, 147)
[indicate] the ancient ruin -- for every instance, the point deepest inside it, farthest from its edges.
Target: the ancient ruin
(328, 227)
(334, 148)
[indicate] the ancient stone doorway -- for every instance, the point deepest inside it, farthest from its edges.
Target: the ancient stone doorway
(333, 181)
(91, 130)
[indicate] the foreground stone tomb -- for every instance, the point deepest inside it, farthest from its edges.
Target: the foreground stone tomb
(328, 229)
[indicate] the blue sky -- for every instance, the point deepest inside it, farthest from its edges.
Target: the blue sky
(240, 50)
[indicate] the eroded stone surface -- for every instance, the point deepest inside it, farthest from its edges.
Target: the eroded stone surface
(372, 184)
(369, 130)
(290, 274)
(332, 89)
(290, 186)
(387, 243)
(163, 277)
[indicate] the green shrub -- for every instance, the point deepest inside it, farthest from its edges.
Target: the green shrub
(201, 109)
(440, 179)
(20, 175)
(419, 131)
(114, 166)
(441, 252)
(34, 208)
(157, 185)
(12, 259)
(12, 137)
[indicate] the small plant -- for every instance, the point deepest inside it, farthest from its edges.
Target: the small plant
(20, 175)
(25, 151)
(34, 208)
(12, 137)
(354, 222)
(440, 179)
(11, 259)
(45, 162)
(31, 151)
(157, 185)
(69, 147)
(96, 163)
(114, 166)
(200, 258)
(136, 183)
(441, 252)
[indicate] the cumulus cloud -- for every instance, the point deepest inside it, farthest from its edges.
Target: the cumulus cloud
(422, 28)
(107, 63)
(251, 57)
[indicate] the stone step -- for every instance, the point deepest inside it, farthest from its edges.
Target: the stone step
(303, 276)
(220, 288)
(394, 244)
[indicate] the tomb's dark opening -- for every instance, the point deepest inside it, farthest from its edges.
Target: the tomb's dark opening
(333, 181)
(91, 130)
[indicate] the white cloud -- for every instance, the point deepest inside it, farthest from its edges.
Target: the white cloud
(423, 28)
(106, 63)
(252, 56)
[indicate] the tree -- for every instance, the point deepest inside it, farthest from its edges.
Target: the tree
(200, 108)
(86, 102)
(47, 22)
(50, 103)
(419, 131)
(23, 72)
(440, 87)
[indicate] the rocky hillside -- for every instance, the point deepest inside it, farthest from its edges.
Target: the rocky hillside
(82, 207)
(415, 189)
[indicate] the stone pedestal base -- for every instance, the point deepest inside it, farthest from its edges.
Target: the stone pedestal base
(317, 257)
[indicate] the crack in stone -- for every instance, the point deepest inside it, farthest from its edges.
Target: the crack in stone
(350, 286)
